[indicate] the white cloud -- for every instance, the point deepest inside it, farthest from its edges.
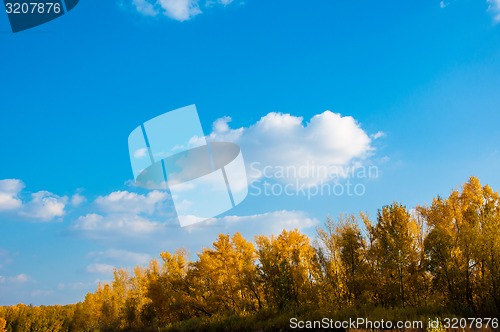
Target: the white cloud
(221, 125)
(327, 141)
(322, 146)
(494, 7)
(44, 206)
(132, 203)
(180, 10)
(9, 191)
(100, 268)
(124, 214)
(122, 256)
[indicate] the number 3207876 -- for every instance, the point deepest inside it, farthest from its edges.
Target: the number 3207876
(33, 8)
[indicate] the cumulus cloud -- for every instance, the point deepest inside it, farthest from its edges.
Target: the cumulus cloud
(323, 146)
(43, 205)
(9, 191)
(125, 214)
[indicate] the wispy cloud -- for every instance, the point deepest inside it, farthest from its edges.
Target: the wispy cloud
(179, 10)
(5, 258)
(145, 7)
(18, 279)
(100, 268)
(41, 293)
(122, 256)
(270, 223)
(77, 200)
(494, 8)
(378, 135)
(113, 226)
(132, 203)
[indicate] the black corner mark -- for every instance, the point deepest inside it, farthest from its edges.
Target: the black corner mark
(27, 14)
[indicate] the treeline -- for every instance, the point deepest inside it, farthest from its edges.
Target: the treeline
(437, 260)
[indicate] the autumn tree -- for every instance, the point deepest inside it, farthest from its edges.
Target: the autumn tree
(168, 289)
(341, 252)
(329, 265)
(3, 322)
(226, 277)
(463, 248)
(352, 249)
(397, 255)
(286, 267)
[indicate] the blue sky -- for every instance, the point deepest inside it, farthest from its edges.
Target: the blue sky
(412, 88)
